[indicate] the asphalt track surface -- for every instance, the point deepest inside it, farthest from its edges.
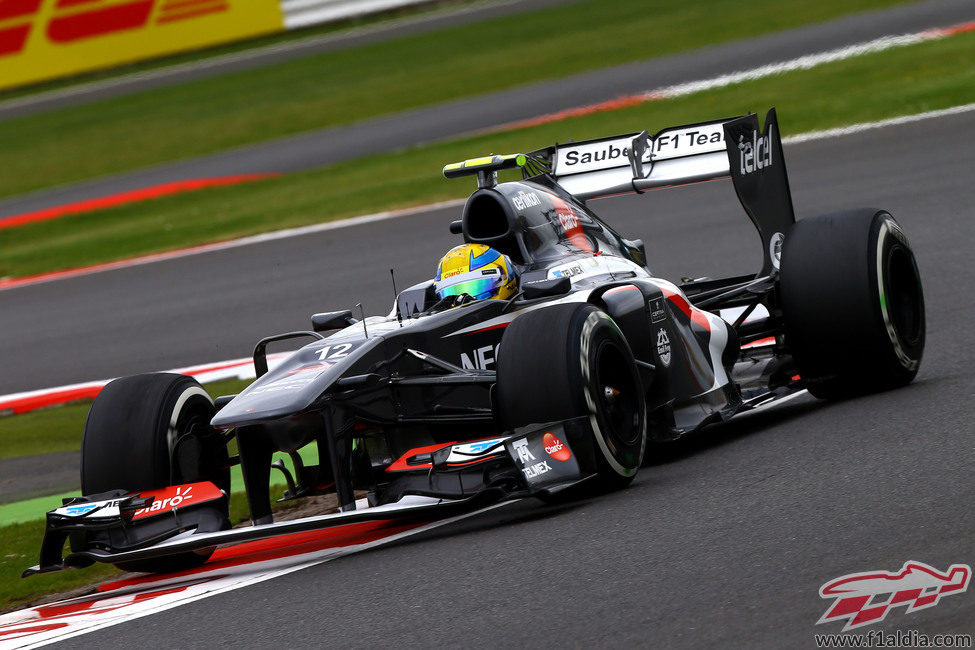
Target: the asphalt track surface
(451, 119)
(725, 542)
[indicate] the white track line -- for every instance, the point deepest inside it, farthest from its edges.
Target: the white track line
(297, 232)
(804, 62)
(7, 283)
(201, 586)
(800, 63)
(867, 126)
(274, 235)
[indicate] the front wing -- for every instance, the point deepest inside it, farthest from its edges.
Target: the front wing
(121, 527)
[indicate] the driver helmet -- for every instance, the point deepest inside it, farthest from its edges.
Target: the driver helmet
(477, 270)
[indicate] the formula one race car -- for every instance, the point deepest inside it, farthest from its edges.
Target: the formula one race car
(558, 386)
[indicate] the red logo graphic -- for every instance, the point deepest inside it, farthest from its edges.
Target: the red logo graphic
(865, 598)
(177, 496)
(75, 20)
(315, 367)
(555, 447)
(569, 221)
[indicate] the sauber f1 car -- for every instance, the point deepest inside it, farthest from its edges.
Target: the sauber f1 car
(562, 388)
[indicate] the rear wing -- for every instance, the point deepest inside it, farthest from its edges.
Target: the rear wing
(734, 148)
(639, 161)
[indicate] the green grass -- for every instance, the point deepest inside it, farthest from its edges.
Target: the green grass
(59, 429)
(908, 80)
(355, 23)
(21, 544)
(201, 117)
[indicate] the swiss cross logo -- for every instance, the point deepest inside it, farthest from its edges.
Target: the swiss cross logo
(75, 20)
(865, 598)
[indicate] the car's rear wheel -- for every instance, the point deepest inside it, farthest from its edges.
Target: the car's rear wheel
(572, 360)
(852, 302)
(151, 431)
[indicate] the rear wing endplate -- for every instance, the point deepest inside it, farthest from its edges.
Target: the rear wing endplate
(735, 148)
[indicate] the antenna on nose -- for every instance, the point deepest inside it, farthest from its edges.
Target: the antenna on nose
(399, 316)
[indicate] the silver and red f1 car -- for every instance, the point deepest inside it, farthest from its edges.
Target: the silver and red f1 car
(561, 389)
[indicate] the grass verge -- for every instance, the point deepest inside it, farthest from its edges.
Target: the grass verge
(59, 429)
(352, 24)
(329, 89)
(903, 81)
(21, 544)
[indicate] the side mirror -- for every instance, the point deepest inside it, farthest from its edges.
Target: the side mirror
(222, 401)
(332, 320)
(543, 288)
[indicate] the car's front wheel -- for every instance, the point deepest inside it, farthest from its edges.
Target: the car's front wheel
(571, 360)
(151, 431)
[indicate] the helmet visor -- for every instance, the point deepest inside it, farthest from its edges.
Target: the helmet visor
(477, 284)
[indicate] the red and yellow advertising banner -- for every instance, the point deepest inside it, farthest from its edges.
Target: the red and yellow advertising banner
(44, 39)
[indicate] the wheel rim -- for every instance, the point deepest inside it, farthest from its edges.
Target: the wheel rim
(617, 396)
(903, 295)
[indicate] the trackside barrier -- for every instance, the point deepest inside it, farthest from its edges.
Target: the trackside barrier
(302, 13)
(47, 39)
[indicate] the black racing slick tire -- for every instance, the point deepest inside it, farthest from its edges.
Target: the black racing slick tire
(571, 360)
(852, 301)
(151, 431)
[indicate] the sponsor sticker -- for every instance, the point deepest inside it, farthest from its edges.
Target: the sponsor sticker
(473, 451)
(555, 447)
(525, 456)
(544, 458)
(531, 467)
(755, 154)
(478, 447)
(567, 271)
(177, 496)
(536, 470)
(481, 358)
(609, 154)
(315, 367)
(689, 141)
(657, 313)
(98, 509)
(663, 347)
(292, 382)
(524, 200)
(594, 156)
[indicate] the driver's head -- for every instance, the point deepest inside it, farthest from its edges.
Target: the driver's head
(477, 270)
